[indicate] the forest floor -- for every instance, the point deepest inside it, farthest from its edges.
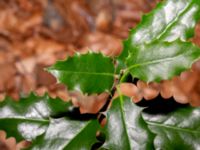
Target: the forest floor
(34, 34)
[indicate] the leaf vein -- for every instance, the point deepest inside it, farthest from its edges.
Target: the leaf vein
(25, 119)
(173, 21)
(171, 127)
(88, 73)
(153, 62)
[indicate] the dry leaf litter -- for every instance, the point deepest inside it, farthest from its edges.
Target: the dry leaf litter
(34, 34)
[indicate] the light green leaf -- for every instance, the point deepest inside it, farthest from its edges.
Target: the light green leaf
(161, 60)
(125, 128)
(29, 117)
(65, 134)
(179, 129)
(89, 73)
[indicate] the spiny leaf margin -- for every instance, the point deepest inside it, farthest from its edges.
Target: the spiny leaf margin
(88, 73)
(29, 117)
(182, 16)
(161, 60)
(179, 129)
(125, 127)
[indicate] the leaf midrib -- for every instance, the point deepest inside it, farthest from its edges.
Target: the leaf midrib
(159, 61)
(153, 62)
(168, 26)
(123, 119)
(174, 21)
(87, 73)
(70, 141)
(25, 119)
(157, 124)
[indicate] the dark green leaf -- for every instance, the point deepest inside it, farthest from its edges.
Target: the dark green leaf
(161, 60)
(169, 21)
(65, 134)
(89, 73)
(29, 117)
(121, 59)
(125, 128)
(179, 129)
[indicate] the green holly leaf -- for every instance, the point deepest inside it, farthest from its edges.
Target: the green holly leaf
(131, 127)
(169, 21)
(47, 123)
(125, 128)
(161, 60)
(89, 73)
(179, 129)
(66, 134)
(29, 117)
(121, 59)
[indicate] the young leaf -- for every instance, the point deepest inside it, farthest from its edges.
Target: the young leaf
(161, 60)
(89, 73)
(169, 21)
(177, 130)
(125, 128)
(65, 134)
(29, 117)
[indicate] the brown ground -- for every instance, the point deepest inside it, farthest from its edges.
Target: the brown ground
(36, 33)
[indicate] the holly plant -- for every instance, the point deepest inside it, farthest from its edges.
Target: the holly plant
(159, 48)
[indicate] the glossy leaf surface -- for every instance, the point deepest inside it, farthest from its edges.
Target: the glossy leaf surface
(161, 60)
(33, 119)
(169, 21)
(89, 73)
(65, 134)
(29, 117)
(121, 59)
(125, 128)
(179, 129)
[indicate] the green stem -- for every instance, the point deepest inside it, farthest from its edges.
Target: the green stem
(123, 78)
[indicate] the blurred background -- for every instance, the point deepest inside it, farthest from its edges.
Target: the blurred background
(36, 33)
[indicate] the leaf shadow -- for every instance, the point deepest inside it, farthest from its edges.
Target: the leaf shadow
(160, 105)
(73, 113)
